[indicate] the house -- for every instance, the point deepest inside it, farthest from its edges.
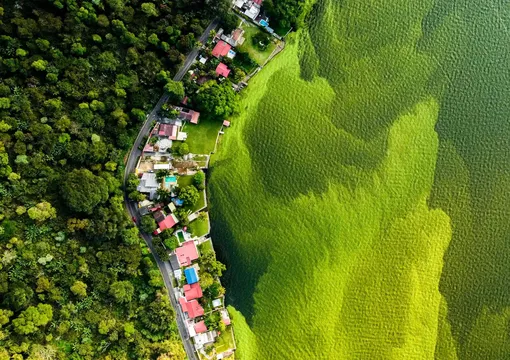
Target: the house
(159, 216)
(169, 130)
(191, 308)
(224, 317)
(216, 303)
(202, 60)
(231, 54)
(200, 327)
(222, 70)
(186, 253)
(191, 275)
(163, 166)
(204, 338)
(168, 222)
(148, 148)
(148, 184)
(188, 114)
(221, 49)
(226, 123)
(253, 11)
(239, 3)
(237, 36)
(192, 292)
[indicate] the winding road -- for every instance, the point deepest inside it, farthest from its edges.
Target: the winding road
(164, 266)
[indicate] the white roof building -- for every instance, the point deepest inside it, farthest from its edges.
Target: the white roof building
(202, 339)
(239, 3)
(253, 11)
(162, 166)
(148, 182)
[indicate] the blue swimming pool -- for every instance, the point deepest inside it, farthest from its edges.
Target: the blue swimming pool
(170, 179)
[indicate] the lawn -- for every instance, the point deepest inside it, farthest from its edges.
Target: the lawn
(205, 247)
(257, 55)
(202, 136)
(199, 227)
(225, 341)
(187, 180)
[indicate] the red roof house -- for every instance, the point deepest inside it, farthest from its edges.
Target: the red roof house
(258, 2)
(193, 291)
(192, 307)
(200, 327)
(194, 117)
(186, 253)
(221, 49)
(222, 70)
(168, 130)
(168, 222)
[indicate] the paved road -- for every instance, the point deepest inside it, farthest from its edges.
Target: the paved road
(134, 154)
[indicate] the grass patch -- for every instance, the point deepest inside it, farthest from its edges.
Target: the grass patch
(199, 227)
(206, 247)
(259, 56)
(225, 341)
(202, 136)
(187, 180)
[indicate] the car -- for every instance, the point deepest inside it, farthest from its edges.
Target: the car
(134, 219)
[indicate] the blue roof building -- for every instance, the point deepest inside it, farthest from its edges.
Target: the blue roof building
(191, 275)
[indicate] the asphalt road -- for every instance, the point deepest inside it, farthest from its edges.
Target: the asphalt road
(134, 154)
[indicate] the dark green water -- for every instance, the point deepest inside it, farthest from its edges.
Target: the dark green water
(473, 169)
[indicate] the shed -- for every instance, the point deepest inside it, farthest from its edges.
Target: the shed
(191, 275)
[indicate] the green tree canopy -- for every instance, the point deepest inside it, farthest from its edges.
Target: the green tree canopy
(175, 89)
(218, 101)
(79, 288)
(189, 195)
(32, 318)
(83, 190)
(199, 180)
(122, 291)
(148, 224)
(42, 211)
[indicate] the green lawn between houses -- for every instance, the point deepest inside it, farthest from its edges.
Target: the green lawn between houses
(225, 341)
(257, 55)
(202, 136)
(187, 180)
(199, 227)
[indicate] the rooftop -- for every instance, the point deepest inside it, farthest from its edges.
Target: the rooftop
(168, 222)
(226, 123)
(168, 130)
(186, 253)
(200, 327)
(222, 70)
(192, 292)
(221, 49)
(191, 275)
(192, 307)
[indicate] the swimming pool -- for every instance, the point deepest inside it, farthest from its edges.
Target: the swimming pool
(170, 179)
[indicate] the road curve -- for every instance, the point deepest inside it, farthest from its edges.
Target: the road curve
(164, 266)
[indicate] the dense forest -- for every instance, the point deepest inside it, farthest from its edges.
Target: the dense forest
(77, 78)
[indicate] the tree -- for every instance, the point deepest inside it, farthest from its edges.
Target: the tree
(42, 211)
(79, 289)
(40, 65)
(218, 101)
(83, 190)
(150, 9)
(32, 318)
(189, 195)
(131, 236)
(183, 149)
(199, 180)
(148, 224)
(175, 89)
(122, 291)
